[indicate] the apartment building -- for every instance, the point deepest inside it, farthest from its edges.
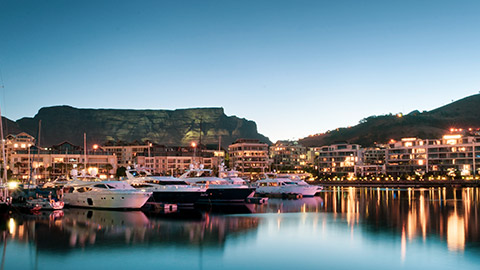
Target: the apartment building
(372, 161)
(174, 160)
(126, 153)
(453, 154)
(49, 163)
(338, 159)
(288, 155)
(249, 157)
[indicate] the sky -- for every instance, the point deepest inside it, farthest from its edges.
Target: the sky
(296, 68)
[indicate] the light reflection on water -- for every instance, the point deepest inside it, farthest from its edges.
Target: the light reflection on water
(342, 228)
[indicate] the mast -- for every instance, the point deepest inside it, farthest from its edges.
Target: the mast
(4, 178)
(4, 191)
(85, 151)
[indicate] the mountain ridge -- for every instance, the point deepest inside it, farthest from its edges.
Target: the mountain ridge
(170, 127)
(463, 113)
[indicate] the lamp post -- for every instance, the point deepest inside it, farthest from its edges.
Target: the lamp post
(194, 145)
(473, 157)
(148, 161)
(95, 147)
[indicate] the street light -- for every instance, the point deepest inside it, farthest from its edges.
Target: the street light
(95, 147)
(194, 145)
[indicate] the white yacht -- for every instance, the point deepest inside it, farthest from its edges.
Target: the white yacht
(273, 184)
(165, 189)
(104, 194)
(57, 183)
(232, 176)
(218, 190)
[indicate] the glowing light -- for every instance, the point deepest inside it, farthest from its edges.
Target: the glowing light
(193, 144)
(11, 226)
(448, 137)
(455, 232)
(95, 146)
(12, 185)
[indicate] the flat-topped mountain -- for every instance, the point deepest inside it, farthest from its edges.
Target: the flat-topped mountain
(464, 113)
(171, 127)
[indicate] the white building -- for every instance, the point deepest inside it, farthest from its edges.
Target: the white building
(453, 154)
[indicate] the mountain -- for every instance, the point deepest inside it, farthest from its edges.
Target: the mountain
(170, 127)
(464, 113)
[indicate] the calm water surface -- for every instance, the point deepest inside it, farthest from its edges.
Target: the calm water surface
(343, 228)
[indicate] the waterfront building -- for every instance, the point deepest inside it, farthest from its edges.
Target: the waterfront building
(126, 152)
(338, 159)
(372, 161)
(249, 157)
(43, 164)
(288, 155)
(174, 160)
(18, 142)
(312, 155)
(453, 154)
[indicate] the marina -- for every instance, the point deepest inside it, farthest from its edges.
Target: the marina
(239, 135)
(402, 228)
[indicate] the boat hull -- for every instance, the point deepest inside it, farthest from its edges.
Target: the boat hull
(226, 195)
(117, 200)
(181, 198)
(305, 191)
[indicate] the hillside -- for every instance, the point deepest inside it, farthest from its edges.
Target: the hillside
(463, 113)
(170, 127)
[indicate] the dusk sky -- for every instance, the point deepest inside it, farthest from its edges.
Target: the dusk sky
(294, 67)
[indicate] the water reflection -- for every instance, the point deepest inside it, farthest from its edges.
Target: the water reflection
(450, 214)
(85, 228)
(371, 225)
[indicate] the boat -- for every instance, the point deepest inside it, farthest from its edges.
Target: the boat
(44, 204)
(57, 183)
(165, 189)
(275, 185)
(104, 194)
(232, 177)
(218, 190)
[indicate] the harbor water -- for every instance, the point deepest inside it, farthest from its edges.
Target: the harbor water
(343, 228)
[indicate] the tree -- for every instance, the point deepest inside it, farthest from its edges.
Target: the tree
(108, 167)
(121, 171)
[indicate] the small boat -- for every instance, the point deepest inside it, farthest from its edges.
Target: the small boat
(45, 204)
(165, 189)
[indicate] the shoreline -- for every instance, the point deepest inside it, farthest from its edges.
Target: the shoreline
(449, 183)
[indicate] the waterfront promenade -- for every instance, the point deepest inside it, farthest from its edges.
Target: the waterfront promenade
(399, 183)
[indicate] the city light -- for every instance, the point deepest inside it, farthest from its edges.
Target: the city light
(449, 137)
(12, 185)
